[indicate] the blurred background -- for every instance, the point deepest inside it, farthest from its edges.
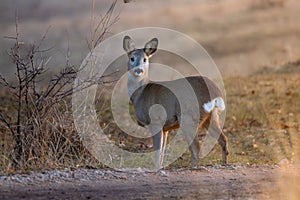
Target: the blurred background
(241, 36)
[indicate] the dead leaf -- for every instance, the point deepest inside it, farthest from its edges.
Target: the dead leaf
(284, 126)
(255, 123)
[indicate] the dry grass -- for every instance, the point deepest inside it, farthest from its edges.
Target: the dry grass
(262, 125)
(263, 112)
(51, 143)
(263, 115)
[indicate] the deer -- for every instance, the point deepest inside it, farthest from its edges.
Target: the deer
(144, 93)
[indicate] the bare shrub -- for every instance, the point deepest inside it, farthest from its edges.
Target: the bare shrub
(36, 124)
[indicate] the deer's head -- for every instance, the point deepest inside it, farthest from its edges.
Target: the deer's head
(138, 59)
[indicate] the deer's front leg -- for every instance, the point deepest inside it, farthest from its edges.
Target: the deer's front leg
(159, 143)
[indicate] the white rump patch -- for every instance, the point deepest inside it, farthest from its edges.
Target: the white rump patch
(215, 103)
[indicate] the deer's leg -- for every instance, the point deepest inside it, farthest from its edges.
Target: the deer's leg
(158, 140)
(223, 141)
(194, 147)
(163, 145)
(216, 131)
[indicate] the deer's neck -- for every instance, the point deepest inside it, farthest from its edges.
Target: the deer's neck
(135, 85)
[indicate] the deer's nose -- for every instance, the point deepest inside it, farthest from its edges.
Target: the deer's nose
(138, 71)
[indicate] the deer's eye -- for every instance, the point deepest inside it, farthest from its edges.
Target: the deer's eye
(132, 59)
(145, 60)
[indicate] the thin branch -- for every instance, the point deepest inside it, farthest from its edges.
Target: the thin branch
(43, 38)
(103, 25)
(9, 37)
(7, 123)
(5, 83)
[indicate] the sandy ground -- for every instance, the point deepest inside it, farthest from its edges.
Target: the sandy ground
(214, 182)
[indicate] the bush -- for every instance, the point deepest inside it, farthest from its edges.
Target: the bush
(36, 124)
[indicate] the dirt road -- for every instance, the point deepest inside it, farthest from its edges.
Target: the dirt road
(214, 182)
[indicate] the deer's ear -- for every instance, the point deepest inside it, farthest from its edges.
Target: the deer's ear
(128, 44)
(151, 47)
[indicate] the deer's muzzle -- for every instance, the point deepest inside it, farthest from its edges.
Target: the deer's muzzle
(138, 71)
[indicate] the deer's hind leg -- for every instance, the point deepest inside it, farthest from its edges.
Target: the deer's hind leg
(216, 131)
(195, 146)
(195, 150)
